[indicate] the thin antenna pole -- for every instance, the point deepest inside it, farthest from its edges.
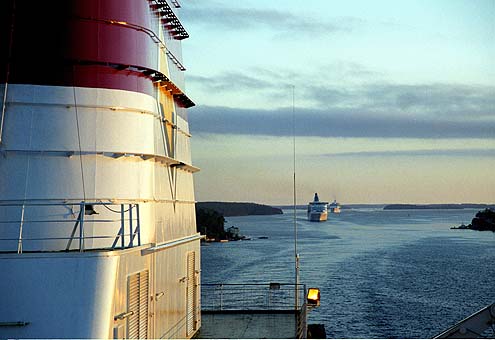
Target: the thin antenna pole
(296, 255)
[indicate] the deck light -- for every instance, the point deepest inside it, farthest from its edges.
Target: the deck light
(313, 297)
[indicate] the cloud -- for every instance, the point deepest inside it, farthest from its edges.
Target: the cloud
(450, 100)
(221, 17)
(326, 90)
(335, 122)
(366, 109)
(438, 98)
(278, 80)
(258, 79)
(229, 81)
(490, 153)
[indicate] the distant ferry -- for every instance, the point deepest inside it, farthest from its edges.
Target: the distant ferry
(334, 207)
(317, 211)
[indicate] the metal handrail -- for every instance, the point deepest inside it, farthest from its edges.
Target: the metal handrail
(60, 238)
(254, 284)
(126, 221)
(251, 296)
(146, 30)
(302, 324)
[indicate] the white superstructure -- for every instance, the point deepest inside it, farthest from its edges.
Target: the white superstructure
(334, 207)
(97, 223)
(317, 210)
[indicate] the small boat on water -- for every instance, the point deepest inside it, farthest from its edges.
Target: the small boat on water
(317, 210)
(334, 207)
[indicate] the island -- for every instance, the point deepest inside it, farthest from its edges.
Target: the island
(210, 223)
(210, 218)
(438, 206)
(483, 220)
(239, 209)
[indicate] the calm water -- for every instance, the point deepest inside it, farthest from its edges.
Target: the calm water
(382, 274)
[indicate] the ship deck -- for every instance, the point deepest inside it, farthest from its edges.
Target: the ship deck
(252, 311)
(248, 324)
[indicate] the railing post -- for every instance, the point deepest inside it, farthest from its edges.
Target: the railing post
(221, 296)
(81, 227)
(131, 232)
(138, 227)
(122, 226)
(304, 314)
(269, 297)
(19, 241)
(74, 230)
(296, 290)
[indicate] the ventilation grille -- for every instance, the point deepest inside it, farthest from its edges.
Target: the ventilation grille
(191, 318)
(137, 302)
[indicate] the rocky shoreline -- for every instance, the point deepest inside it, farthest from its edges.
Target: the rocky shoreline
(210, 219)
(484, 220)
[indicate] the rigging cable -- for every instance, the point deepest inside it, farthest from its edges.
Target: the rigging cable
(132, 206)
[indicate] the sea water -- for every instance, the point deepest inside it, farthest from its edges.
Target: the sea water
(382, 273)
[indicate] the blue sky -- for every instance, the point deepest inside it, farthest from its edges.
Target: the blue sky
(394, 100)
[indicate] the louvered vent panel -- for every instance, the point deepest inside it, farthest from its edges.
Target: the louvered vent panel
(143, 308)
(191, 294)
(137, 302)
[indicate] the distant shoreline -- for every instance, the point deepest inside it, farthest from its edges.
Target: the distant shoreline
(229, 209)
(404, 206)
(437, 206)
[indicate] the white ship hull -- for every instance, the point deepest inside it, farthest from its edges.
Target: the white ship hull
(84, 293)
(78, 295)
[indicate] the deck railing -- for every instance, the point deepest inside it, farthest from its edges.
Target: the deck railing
(255, 298)
(302, 324)
(30, 226)
(270, 296)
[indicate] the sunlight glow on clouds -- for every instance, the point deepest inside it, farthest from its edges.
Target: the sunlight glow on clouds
(392, 104)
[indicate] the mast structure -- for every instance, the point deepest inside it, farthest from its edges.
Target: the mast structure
(296, 255)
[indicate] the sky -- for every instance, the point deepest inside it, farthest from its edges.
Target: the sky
(388, 101)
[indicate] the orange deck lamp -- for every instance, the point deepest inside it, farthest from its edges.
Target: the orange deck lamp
(313, 297)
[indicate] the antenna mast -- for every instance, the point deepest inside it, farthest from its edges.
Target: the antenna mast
(296, 255)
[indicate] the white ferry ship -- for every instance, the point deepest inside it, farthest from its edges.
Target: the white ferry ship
(334, 207)
(317, 210)
(97, 220)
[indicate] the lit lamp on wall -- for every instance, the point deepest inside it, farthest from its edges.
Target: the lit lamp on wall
(313, 297)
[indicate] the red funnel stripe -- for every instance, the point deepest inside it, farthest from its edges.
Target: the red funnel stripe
(86, 43)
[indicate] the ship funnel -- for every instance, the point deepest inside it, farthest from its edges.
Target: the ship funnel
(316, 199)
